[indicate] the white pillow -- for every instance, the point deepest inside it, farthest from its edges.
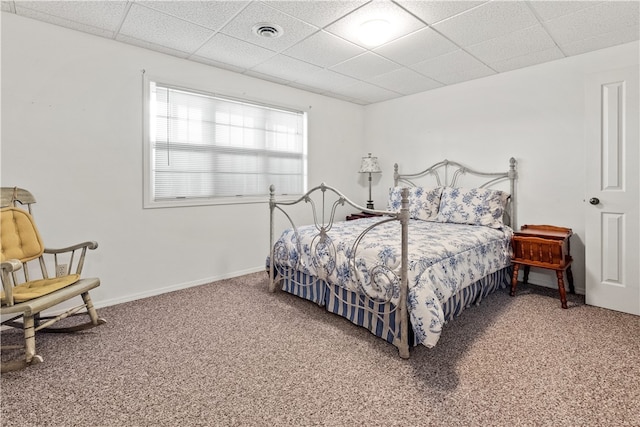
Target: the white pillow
(423, 203)
(475, 206)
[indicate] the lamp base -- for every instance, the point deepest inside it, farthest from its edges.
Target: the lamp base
(370, 204)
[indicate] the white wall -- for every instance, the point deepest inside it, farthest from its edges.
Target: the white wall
(536, 115)
(72, 134)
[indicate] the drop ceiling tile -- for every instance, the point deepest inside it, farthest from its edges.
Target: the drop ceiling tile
(160, 29)
(151, 46)
(547, 10)
(105, 15)
(518, 43)
(365, 66)
(222, 48)
(527, 60)
(307, 88)
(494, 36)
(346, 98)
(621, 36)
(34, 14)
(493, 19)
(294, 30)
(416, 47)
(209, 14)
(402, 23)
(466, 75)
(444, 67)
(601, 18)
(367, 92)
(324, 49)
(326, 80)
(286, 68)
(217, 64)
(318, 13)
(267, 77)
(435, 11)
(404, 81)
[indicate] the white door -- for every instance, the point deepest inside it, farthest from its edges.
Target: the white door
(612, 235)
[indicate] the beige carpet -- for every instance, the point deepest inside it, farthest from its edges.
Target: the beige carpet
(230, 353)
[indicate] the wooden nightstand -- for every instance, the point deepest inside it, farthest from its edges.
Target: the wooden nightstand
(544, 246)
(360, 215)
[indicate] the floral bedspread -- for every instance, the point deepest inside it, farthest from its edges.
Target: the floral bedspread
(443, 258)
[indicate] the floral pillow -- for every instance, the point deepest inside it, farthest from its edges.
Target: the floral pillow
(475, 206)
(423, 203)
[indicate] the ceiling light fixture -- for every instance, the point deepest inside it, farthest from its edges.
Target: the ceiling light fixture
(269, 31)
(374, 32)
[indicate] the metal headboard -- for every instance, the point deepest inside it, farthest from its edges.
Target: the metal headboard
(447, 173)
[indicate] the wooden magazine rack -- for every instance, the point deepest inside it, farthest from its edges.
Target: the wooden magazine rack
(543, 246)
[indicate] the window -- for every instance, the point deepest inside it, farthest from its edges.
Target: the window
(207, 149)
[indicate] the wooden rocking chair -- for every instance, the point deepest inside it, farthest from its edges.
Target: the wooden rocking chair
(27, 297)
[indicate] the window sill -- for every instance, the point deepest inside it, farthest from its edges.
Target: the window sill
(178, 203)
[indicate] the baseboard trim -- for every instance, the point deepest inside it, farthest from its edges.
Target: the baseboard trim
(172, 288)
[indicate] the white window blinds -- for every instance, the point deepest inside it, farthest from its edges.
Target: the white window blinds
(208, 147)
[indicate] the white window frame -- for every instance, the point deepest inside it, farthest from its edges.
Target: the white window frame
(148, 176)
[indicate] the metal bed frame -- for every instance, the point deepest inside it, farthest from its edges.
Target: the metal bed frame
(445, 173)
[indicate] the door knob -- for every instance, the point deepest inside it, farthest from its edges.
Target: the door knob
(594, 201)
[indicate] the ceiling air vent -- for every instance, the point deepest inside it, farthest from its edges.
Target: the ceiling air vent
(269, 31)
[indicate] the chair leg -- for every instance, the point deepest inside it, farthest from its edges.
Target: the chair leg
(525, 278)
(29, 338)
(563, 293)
(30, 356)
(91, 309)
(30, 341)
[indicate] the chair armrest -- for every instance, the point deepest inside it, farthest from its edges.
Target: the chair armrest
(88, 245)
(70, 254)
(9, 266)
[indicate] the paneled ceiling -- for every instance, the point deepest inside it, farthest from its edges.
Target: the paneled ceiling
(429, 44)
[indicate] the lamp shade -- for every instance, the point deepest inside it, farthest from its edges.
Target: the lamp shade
(370, 165)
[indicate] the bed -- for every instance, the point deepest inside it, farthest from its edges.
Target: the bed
(441, 246)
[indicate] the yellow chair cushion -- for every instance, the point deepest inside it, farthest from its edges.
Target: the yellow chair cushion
(19, 237)
(37, 288)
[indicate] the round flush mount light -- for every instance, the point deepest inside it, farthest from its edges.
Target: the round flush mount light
(269, 31)
(374, 32)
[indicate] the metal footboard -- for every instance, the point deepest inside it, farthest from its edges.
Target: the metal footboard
(323, 257)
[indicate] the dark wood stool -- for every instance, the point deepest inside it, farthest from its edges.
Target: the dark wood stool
(544, 246)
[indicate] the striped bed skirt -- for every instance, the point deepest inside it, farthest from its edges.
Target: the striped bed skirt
(379, 318)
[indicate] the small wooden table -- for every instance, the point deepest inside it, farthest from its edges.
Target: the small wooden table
(544, 246)
(360, 215)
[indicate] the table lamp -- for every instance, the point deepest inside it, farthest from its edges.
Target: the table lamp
(369, 165)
